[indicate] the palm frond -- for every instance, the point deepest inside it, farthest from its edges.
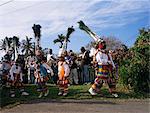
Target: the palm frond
(56, 41)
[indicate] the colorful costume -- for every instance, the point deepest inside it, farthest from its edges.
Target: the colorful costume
(104, 69)
(16, 80)
(5, 67)
(41, 76)
(63, 75)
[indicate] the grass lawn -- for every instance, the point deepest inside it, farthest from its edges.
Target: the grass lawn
(75, 92)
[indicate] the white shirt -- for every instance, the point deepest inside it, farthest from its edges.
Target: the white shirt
(49, 57)
(30, 61)
(17, 71)
(92, 51)
(67, 70)
(102, 59)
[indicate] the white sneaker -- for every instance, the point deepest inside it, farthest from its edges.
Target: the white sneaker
(12, 95)
(115, 95)
(25, 94)
(41, 94)
(92, 92)
(65, 94)
(60, 93)
(46, 93)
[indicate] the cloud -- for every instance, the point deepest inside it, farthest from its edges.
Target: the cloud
(18, 17)
(119, 13)
(55, 16)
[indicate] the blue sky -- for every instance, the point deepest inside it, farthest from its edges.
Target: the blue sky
(121, 19)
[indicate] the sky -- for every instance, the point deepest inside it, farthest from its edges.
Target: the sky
(119, 18)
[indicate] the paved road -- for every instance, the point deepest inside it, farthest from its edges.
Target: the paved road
(82, 106)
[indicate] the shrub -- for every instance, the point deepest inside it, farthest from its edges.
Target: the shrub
(134, 71)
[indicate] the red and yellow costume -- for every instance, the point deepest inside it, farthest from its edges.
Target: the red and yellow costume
(63, 75)
(103, 73)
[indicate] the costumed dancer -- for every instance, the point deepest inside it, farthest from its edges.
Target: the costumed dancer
(16, 80)
(63, 71)
(104, 67)
(41, 77)
(49, 69)
(63, 65)
(4, 69)
(103, 60)
(63, 76)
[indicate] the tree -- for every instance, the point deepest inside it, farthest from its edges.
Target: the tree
(6, 44)
(134, 70)
(27, 46)
(60, 40)
(111, 42)
(2, 45)
(63, 40)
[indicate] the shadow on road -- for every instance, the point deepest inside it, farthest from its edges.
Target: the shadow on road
(70, 101)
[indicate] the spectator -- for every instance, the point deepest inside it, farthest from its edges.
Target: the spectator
(73, 72)
(50, 57)
(85, 61)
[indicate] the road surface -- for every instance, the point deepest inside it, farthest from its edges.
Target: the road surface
(81, 106)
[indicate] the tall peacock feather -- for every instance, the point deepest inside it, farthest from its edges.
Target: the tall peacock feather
(69, 32)
(15, 44)
(64, 40)
(37, 34)
(85, 28)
